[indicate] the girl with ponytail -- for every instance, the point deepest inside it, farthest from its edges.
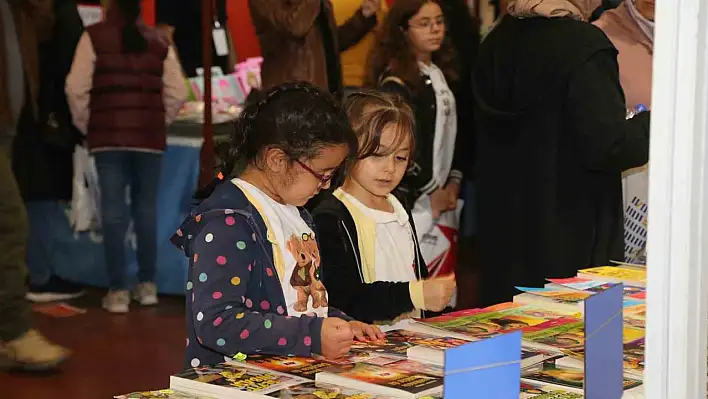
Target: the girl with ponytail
(133, 82)
(255, 278)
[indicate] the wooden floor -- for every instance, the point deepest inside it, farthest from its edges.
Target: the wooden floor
(116, 354)
(113, 354)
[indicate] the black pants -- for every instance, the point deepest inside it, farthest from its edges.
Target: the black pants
(14, 309)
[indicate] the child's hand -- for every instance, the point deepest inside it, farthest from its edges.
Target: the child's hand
(439, 202)
(366, 332)
(438, 291)
(453, 193)
(337, 338)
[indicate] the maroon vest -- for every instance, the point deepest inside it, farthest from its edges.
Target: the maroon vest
(127, 107)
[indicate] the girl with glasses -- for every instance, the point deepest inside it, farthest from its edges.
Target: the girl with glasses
(414, 59)
(255, 279)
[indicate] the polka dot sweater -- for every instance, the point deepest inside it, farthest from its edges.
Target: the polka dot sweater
(235, 302)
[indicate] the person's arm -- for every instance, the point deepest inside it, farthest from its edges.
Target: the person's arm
(290, 17)
(596, 112)
(80, 81)
(220, 277)
(175, 89)
(354, 29)
(368, 303)
(68, 30)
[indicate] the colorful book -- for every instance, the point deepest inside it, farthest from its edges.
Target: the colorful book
(584, 284)
(419, 367)
(566, 335)
(305, 367)
(231, 381)
(567, 379)
(616, 274)
(494, 320)
(541, 391)
(160, 394)
(563, 300)
(312, 390)
(383, 380)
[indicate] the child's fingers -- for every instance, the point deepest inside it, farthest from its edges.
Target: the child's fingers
(358, 333)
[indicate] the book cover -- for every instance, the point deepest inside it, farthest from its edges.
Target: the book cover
(415, 384)
(227, 377)
(312, 390)
(616, 273)
(389, 347)
(160, 394)
(540, 391)
(494, 320)
(416, 366)
(304, 367)
(425, 340)
(593, 286)
(564, 333)
(571, 297)
(568, 334)
(570, 378)
(633, 356)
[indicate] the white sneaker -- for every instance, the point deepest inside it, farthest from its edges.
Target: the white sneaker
(146, 294)
(117, 301)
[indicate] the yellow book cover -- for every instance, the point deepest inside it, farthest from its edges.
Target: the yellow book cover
(616, 273)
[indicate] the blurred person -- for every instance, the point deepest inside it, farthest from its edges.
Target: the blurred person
(630, 27)
(181, 22)
(300, 40)
(414, 58)
(354, 58)
(124, 87)
(553, 141)
(23, 24)
(43, 158)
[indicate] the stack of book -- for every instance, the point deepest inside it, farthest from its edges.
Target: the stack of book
(410, 364)
(550, 319)
(407, 364)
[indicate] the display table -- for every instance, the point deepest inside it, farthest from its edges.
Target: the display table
(636, 393)
(79, 256)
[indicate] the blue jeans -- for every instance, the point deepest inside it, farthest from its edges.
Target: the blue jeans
(41, 247)
(141, 171)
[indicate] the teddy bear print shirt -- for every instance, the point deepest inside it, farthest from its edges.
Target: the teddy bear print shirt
(295, 253)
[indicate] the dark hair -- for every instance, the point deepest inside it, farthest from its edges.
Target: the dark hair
(298, 118)
(393, 52)
(133, 40)
(370, 112)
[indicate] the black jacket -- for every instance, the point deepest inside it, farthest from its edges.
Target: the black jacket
(552, 144)
(43, 161)
(342, 268)
(418, 178)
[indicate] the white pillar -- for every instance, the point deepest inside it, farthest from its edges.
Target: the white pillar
(677, 296)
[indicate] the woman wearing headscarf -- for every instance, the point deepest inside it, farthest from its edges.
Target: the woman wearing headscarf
(630, 27)
(553, 142)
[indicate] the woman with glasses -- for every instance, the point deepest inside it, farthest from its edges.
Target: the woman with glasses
(414, 59)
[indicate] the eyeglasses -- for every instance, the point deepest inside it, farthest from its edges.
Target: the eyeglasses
(429, 24)
(324, 179)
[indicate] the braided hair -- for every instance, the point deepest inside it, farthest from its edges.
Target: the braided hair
(297, 118)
